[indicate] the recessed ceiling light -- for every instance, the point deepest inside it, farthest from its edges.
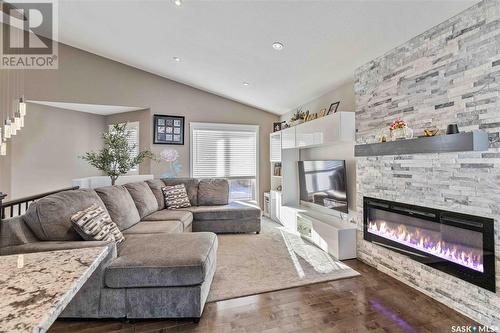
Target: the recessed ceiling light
(278, 46)
(246, 84)
(178, 3)
(177, 59)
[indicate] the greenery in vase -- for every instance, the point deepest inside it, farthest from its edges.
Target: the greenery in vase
(298, 115)
(116, 157)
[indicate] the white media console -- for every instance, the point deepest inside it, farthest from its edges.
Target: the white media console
(328, 232)
(320, 139)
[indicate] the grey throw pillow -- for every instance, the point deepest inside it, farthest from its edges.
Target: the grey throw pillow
(176, 197)
(94, 224)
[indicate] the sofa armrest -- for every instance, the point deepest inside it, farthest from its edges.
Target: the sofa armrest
(44, 246)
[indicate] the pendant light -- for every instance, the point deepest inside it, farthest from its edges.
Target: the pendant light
(13, 106)
(13, 127)
(22, 107)
(3, 145)
(7, 129)
(17, 121)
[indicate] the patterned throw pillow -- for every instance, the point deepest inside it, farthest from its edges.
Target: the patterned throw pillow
(176, 197)
(94, 223)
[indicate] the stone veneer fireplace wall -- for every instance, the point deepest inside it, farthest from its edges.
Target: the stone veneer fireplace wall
(449, 74)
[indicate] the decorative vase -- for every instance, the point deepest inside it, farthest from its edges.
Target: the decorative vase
(401, 133)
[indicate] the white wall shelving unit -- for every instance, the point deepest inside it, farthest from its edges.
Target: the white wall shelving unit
(328, 232)
(288, 138)
(331, 129)
(276, 180)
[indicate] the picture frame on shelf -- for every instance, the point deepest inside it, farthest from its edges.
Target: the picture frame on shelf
(333, 108)
(168, 130)
(278, 126)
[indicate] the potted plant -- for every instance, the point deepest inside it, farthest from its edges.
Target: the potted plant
(116, 158)
(298, 117)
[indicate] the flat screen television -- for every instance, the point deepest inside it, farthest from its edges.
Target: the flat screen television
(324, 183)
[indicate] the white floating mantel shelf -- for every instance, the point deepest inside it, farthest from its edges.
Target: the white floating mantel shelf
(469, 141)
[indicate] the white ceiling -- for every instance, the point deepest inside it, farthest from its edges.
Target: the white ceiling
(103, 110)
(225, 43)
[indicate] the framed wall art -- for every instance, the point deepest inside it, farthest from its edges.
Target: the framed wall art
(333, 108)
(168, 130)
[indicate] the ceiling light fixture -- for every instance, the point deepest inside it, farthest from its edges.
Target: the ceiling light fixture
(178, 3)
(278, 46)
(177, 59)
(246, 84)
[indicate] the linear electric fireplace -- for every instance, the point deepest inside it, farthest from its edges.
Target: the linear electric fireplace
(458, 244)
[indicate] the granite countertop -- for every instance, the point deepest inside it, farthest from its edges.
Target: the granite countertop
(36, 287)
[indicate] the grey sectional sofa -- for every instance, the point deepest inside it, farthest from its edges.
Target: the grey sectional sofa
(166, 264)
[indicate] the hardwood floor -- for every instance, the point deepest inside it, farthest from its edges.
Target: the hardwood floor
(372, 303)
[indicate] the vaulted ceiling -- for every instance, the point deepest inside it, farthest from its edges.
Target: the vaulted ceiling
(218, 45)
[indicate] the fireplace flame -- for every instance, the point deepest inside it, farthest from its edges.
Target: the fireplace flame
(426, 242)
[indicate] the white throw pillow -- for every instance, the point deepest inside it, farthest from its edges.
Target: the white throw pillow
(176, 197)
(94, 224)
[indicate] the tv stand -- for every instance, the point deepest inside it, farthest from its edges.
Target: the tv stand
(328, 232)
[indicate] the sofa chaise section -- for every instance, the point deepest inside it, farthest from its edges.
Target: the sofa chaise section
(158, 279)
(213, 211)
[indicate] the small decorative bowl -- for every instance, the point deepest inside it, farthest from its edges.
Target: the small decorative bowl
(428, 132)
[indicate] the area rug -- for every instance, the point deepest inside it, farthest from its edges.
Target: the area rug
(249, 264)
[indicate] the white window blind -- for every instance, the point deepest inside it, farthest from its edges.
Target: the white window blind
(224, 153)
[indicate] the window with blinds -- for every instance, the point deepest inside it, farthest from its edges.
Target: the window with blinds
(226, 151)
(133, 141)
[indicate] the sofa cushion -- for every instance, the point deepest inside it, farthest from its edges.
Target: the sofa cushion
(170, 215)
(143, 197)
(50, 217)
(163, 260)
(213, 192)
(94, 224)
(186, 222)
(120, 205)
(155, 227)
(15, 231)
(191, 185)
(156, 185)
(233, 211)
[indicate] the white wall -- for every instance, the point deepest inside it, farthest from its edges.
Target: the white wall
(343, 93)
(44, 155)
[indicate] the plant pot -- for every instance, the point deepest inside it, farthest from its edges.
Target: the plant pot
(401, 133)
